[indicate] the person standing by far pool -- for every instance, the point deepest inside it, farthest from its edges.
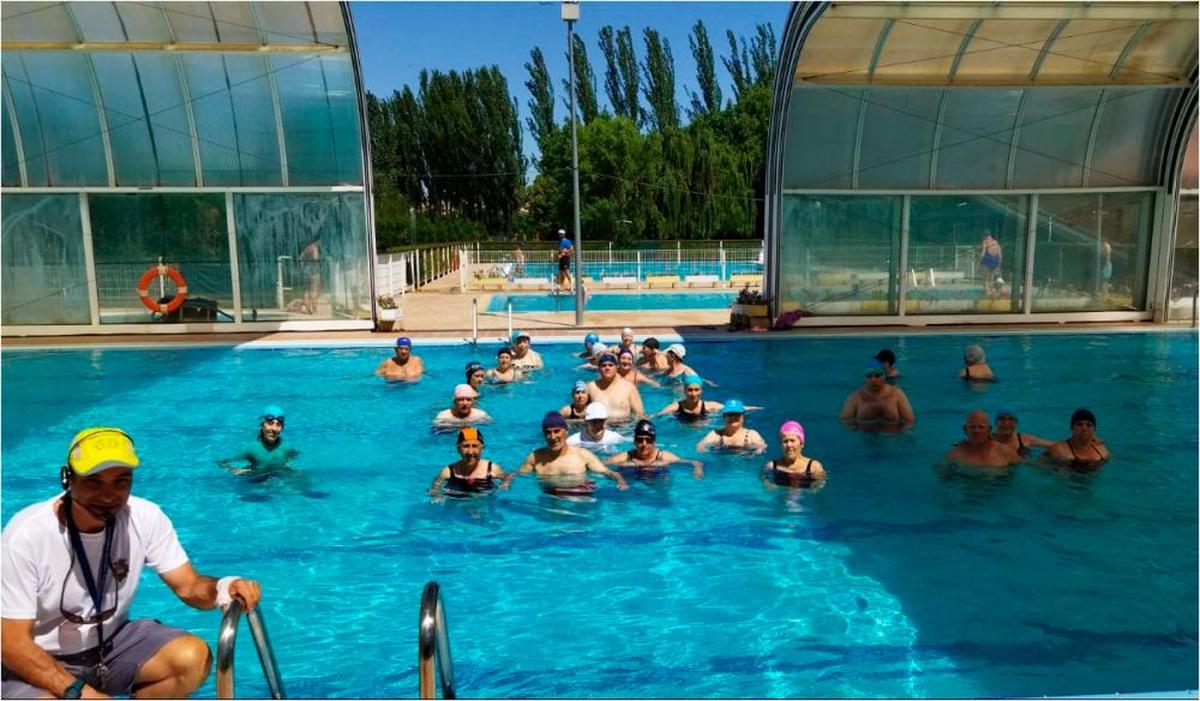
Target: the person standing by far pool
(990, 258)
(268, 455)
(594, 435)
(524, 357)
(472, 474)
(888, 358)
(1083, 450)
(794, 469)
(979, 449)
(518, 260)
(70, 569)
(565, 250)
(589, 342)
(619, 396)
(463, 411)
(310, 260)
(403, 365)
(1006, 434)
(692, 408)
(877, 404)
(734, 435)
(504, 371)
(627, 371)
(975, 367)
(652, 360)
(561, 468)
(475, 374)
(577, 409)
(646, 458)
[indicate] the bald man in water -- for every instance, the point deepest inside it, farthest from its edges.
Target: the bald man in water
(979, 450)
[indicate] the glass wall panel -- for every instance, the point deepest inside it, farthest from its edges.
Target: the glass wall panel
(159, 76)
(190, 21)
(1092, 251)
(317, 96)
(1183, 302)
(286, 23)
(256, 139)
(216, 127)
(897, 138)
(975, 141)
(838, 254)
(130, 233)
(819, 138)
(12, 165)
(36, 21)
(18, 90)
(966, 254)
(143, 22)
(235, 22)
(1129, 137)
(97, 21)
(303, 256)
(44, 280)
(63, 105)
(133, 156)
(331, 26)
(1052, 141)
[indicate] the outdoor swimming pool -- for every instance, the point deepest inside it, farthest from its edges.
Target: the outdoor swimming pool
(601, 302)
(890, 582)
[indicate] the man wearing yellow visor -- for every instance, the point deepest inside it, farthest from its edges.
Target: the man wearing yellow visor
(70, 569)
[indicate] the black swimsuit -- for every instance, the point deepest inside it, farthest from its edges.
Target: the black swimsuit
(638, 470)
(471, 484)
(575, 414)
(1078, 463)
(793, 479)
(688, 417)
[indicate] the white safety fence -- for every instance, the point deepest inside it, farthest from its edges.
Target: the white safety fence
(399, 273)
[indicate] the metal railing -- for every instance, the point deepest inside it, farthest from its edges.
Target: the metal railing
(398, 273)
(433, 645)
(226, 641)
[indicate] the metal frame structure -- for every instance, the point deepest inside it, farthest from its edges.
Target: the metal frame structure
(804, 20)
(76, 40)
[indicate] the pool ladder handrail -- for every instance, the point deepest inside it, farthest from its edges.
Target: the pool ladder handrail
(226, 640)
(433, 645)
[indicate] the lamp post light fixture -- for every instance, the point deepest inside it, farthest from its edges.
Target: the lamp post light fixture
(570, 15)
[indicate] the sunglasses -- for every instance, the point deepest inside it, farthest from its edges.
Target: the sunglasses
(271, 418)
(643, 439)
(875, 373)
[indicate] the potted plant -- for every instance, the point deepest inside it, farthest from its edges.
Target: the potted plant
(751, 310)
(387, 313)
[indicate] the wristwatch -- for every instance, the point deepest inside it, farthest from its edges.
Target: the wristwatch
(74, 691)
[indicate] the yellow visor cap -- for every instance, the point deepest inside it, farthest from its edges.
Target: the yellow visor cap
(97, 449)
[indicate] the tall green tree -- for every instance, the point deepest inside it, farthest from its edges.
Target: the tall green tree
(627, 66)
(612, 73)
(709, 98)
(541, 98)
(762, 54)
(658, 71)
(585, 83)
(737, 63)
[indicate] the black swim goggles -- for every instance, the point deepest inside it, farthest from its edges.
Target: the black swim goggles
(268, 418)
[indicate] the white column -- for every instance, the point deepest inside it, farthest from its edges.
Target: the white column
(89, 260)
(235, 272)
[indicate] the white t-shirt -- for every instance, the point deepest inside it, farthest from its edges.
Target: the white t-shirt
(39, 580)
(607, 438)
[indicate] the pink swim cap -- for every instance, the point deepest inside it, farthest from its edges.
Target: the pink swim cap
(792, 427)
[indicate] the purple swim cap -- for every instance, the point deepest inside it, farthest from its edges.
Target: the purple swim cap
(792, 427)
(553, 419)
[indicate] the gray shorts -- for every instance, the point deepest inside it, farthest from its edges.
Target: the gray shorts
(132, 646)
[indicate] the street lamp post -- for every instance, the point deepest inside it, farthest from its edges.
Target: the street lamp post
(570, 15)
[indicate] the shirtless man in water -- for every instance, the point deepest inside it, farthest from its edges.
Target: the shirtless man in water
(979, 450)
(877, 402)
(561, 468)
(619, 395)
(403, 366)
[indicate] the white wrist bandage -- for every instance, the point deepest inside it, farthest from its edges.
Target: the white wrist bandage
(223, 597)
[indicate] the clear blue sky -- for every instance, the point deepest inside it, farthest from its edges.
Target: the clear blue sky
(399, 39)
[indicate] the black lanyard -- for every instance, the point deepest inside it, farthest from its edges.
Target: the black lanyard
(94, 590)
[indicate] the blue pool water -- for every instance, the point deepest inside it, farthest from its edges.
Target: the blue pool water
(891, 582)
(601, 302)
(647, 267)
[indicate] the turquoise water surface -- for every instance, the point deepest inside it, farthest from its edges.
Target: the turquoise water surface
(601, 302)
(890, 582)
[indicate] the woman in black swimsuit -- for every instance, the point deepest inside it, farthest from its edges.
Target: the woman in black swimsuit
(471, 474)
(1083, 451)
(576, 410)
(794, 469)
(692, 408)
(647, 460)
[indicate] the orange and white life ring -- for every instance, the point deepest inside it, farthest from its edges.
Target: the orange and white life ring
(181, 291)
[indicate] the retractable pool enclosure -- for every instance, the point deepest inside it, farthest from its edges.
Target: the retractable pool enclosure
(984, 162)
(183, 166)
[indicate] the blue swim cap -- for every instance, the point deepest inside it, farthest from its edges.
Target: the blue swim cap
(734, 406)
(873, 367)
(591, 338)
(580, 386)
(692, 380)
(403, 341)
(1005, 411)
(272, 410)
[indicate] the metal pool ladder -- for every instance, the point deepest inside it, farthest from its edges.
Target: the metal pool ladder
(433, 645)
(225, 644)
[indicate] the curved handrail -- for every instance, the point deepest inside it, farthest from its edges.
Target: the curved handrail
(226, 639)
(433, 645)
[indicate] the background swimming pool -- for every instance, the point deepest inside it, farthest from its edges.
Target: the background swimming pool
(601, 302)
(889, 582)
